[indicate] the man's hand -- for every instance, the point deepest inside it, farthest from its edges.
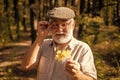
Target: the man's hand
(43, 29)
(72, 67)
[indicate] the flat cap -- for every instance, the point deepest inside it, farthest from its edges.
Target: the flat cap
(64, 13)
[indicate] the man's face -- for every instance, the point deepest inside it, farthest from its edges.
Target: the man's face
(61, 30)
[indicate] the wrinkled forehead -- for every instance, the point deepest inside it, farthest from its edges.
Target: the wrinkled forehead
(59, 20)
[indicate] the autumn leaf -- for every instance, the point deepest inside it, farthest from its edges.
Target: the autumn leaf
(61, 54)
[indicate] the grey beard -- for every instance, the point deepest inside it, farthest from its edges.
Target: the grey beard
(64, 39)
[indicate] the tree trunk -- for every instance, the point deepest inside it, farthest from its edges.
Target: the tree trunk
(117, 7)
(72, 2)
(66, 2)
(8, 22)
(6, 5)
(25, 4)
(106, 13)
(82, 6)
(55, 3)
(33, 31)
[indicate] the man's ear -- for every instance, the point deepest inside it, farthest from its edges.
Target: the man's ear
(74, 23)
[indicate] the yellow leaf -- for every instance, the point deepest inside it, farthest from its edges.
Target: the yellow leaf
(62, 54)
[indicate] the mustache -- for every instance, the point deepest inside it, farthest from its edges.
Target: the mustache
(60, 33)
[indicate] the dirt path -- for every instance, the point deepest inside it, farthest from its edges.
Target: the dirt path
(10, 59)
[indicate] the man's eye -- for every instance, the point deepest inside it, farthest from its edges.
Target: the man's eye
(63, 25)
(54, 25)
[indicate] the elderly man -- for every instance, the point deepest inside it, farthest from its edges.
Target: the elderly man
(63, 57)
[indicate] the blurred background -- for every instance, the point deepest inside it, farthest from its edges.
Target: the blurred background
(97, 23)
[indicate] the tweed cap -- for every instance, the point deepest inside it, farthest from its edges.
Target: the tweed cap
(61, 13)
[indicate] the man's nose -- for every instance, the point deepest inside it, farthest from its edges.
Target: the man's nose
(60, 28)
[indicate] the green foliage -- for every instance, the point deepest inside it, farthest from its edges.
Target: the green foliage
(7, 72)
(114, 57)
(106, 65)
(107, 53)
(105, 71)
(90, 28)
(92, 21)
(100, 64)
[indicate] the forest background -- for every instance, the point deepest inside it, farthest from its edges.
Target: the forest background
(97, 23)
